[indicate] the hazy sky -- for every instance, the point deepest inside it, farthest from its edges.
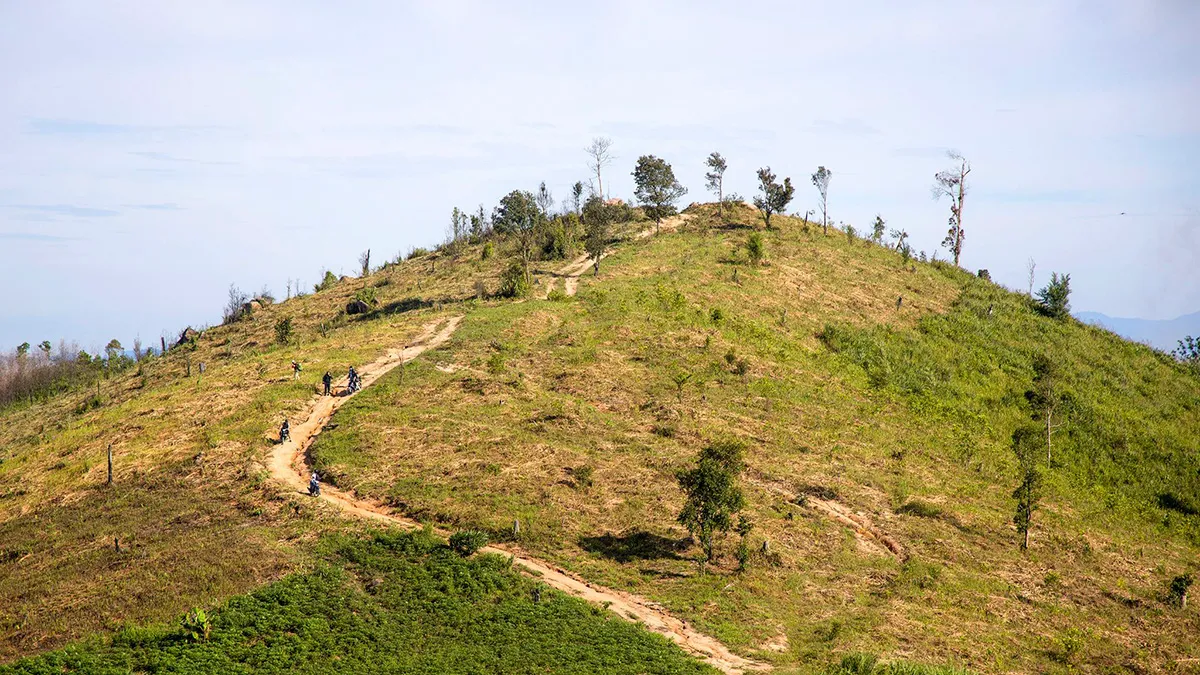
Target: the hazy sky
(152, 153)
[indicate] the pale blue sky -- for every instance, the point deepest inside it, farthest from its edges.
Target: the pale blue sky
(151, 153)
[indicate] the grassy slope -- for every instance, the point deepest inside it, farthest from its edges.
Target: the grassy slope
(395, 603)
(548, 385)
(195, 516)
(914, 404)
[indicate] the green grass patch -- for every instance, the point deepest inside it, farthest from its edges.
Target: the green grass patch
(395, 603)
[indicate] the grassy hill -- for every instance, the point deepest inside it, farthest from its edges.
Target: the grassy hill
(880, 468)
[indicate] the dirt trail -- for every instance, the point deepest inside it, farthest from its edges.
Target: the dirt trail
(869, 537)
(579, 266)
(288, 467)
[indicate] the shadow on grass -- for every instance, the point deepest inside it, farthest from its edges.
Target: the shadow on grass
(630, 546)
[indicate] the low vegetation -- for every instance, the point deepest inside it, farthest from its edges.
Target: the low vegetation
(389, 603)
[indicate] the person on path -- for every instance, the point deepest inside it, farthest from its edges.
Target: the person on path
(314, 485)
(295, 370)
(284, 432)
(353, 381)
(327, 380)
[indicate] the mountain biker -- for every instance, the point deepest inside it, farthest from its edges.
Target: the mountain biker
(314, 485)
(284, 432)
(327, 379)
(353, 380)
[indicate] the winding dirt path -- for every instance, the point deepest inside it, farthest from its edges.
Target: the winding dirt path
(287, 466)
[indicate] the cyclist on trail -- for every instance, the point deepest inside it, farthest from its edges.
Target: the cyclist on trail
(354, 382)
(314, 485)
(284, 432)
(327, 379)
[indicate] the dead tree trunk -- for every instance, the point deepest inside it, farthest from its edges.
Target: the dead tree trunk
(109, 464)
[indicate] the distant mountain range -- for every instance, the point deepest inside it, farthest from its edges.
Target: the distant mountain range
(1163, 334)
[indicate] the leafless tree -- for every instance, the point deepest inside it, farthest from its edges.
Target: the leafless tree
(601, 155)
(364, 261)
(952, 183)
(235, 304)
(1031, 268)
(545, 200)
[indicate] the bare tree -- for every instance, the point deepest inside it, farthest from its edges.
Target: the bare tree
(364, 261)
(234, 306)
(952, 183)
(545, 200)
(601, 153)
(820, 180)
(714, 180)
(1031, 267)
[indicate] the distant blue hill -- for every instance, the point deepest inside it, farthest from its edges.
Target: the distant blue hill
(1163, 334)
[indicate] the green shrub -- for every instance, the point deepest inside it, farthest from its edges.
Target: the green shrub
(283, 330)
(920, 509)
(1054, 299)
(1177, 592)
(716, 315)
(418, 252)
(467, 542)
(196, 626)
(857, 664)
(1070, 643)
(557, 295)
(489, 250)
(663, 430)
(328, 281)
(755, 248)
(514, 282)
(582, 476)
(367, 295)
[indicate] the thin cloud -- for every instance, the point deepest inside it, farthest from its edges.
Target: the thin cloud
(70, 127)
(166, 157)
(67, 210)
(155, 207)
(33, 236)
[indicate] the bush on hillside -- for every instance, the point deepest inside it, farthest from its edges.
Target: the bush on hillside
(755, 248)
(328, 281)
(1054, 299)
(1177, 592)
(1188, 351)
(283, 331)
(467, 542)
(514, 282)
(367, 295)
